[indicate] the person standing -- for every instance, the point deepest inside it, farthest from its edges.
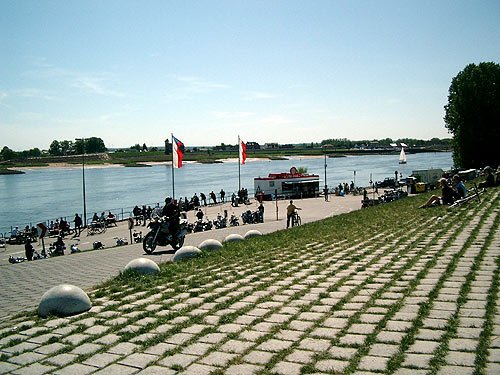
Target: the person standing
(78, 225)
(28, 249)
(261, 212)
(290, 211)
(222, 196)
(325, 191)
(213, 197)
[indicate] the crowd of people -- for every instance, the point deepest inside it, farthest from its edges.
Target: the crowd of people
(453, 189)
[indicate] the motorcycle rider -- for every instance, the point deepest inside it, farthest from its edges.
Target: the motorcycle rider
(172, 215)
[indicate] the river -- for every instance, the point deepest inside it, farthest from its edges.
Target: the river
(43, 194)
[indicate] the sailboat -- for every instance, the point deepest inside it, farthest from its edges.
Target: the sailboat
(402, 156)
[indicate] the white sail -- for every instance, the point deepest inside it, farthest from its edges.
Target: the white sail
(402, 156)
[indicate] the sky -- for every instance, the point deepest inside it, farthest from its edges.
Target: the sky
(207, 71)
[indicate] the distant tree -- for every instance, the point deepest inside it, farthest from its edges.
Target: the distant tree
(8, 154)
(94, 145)
(55, 148)
(136, 147)
(144, 147)
(472, 115)
(168, 147)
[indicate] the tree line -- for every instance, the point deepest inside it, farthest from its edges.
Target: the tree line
(344, 143)
(80, 146)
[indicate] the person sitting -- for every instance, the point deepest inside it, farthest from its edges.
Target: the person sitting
(63, 227)
(59, 246)
(490, 178)
(172, 215)
(137, 215)
(199, 214)
(459, 186)
(448, 195)
(95, 218)
(110, 219)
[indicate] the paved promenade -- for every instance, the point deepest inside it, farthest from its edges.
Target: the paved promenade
(23, 284)
(421, 298)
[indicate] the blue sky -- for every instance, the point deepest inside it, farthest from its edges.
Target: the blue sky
(270, 71)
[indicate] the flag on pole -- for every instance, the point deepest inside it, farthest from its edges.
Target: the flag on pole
(177, 152)
(243, 151)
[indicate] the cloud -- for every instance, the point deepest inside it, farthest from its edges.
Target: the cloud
(258, 95)
(231, 115)
(95, 85)
(197, 84)
(34, 93)
(277, 120)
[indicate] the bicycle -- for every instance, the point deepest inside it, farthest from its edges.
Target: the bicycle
(296, 220)
(96, 227)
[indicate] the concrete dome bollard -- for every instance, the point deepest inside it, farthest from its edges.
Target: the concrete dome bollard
(186, 252)
(143, 266)
(234, 238)
(64, 300)
(252, 233)
(210, 244)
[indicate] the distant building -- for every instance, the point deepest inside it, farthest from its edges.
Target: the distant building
(270, 146)
(253, 146)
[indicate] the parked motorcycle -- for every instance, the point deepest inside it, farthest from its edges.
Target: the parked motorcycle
(220, 222)
(160, 235)
(120, 241)
(137, 236)
(234, 221)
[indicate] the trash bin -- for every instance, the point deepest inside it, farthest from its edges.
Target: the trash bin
(420, 187)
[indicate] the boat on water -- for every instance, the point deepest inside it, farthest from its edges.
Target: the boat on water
(402, 156)
(287, 185)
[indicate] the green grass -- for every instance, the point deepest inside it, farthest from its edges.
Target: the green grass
(324, 255)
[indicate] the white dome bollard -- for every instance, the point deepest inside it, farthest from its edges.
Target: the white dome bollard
(64, 300)
(186, 252)
(210, 244)
(234, 238)
(252, 233)
(143, 266)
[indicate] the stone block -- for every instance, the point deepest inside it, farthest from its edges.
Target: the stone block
(64, 300)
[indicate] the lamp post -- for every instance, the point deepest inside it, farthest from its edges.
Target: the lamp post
(83, 183)
(326, 185)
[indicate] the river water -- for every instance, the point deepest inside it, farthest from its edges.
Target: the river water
(43, 194)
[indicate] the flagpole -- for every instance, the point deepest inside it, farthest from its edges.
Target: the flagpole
(173, 173)
(239, 164)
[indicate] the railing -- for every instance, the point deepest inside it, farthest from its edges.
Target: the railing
(121, 214)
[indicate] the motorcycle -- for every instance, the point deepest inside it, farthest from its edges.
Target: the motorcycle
(234, 221)
(160, 235)
(220, 222)
(120, 241)
(137, 236)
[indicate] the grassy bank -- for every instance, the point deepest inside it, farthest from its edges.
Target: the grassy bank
(356, 292)
(134, 158)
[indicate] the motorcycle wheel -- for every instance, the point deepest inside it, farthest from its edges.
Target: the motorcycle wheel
(148, 243)
(177, 245)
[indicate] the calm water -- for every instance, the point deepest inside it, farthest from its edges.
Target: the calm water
(44, 194)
